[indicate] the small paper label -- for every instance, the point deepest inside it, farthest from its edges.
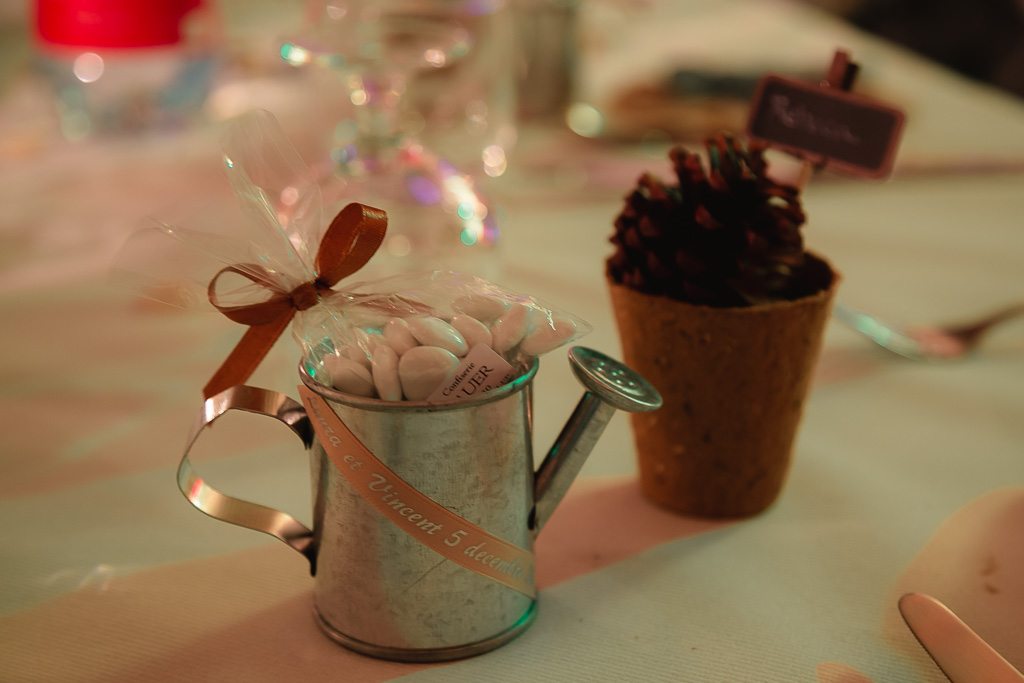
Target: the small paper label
(481, 370)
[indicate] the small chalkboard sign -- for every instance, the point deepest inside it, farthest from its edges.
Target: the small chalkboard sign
(826, 125)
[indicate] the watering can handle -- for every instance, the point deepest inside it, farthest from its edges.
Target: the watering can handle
(234, 510)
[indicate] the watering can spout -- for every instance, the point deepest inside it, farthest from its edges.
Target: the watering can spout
(610, 386)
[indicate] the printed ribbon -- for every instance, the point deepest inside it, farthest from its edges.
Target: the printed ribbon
(351, 239)
(433, 525)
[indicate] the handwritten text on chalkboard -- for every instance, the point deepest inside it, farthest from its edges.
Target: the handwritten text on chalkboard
(826, 125)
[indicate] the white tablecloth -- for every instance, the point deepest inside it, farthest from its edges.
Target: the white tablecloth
(906, 477)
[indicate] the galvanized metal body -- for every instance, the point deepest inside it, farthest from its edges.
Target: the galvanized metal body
(379, 590)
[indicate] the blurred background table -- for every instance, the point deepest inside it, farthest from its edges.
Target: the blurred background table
(907, 476)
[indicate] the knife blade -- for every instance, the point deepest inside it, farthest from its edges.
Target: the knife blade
(960, 652)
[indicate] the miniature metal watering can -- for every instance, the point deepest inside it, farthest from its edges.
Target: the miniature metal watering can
(424, 515)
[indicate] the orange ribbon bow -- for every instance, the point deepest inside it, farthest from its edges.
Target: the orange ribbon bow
(351, 239)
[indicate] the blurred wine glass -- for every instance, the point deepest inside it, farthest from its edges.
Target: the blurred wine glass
(437, 216)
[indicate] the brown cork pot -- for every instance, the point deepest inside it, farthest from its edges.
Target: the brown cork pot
(734, 382)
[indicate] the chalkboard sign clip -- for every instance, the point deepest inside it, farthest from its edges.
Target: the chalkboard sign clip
(842, 73)
(824, 123)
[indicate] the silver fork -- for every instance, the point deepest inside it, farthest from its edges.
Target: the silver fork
(924, 342)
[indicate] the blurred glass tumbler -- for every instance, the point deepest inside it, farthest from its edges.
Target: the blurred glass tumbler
(734, 382)
(377, 51)
(465, 109)
(548, 45)
(124, 65)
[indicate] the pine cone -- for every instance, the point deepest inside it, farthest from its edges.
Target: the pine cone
(729, 237)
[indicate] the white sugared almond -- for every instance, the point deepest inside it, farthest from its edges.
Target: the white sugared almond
(431, 331)
(356, 354)
(372, 341)
(472, 330)
(547, 336)
(480, 307)
(398, 336)
(349, 376)
(510, 328)
(384, 367)
(423, 368)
